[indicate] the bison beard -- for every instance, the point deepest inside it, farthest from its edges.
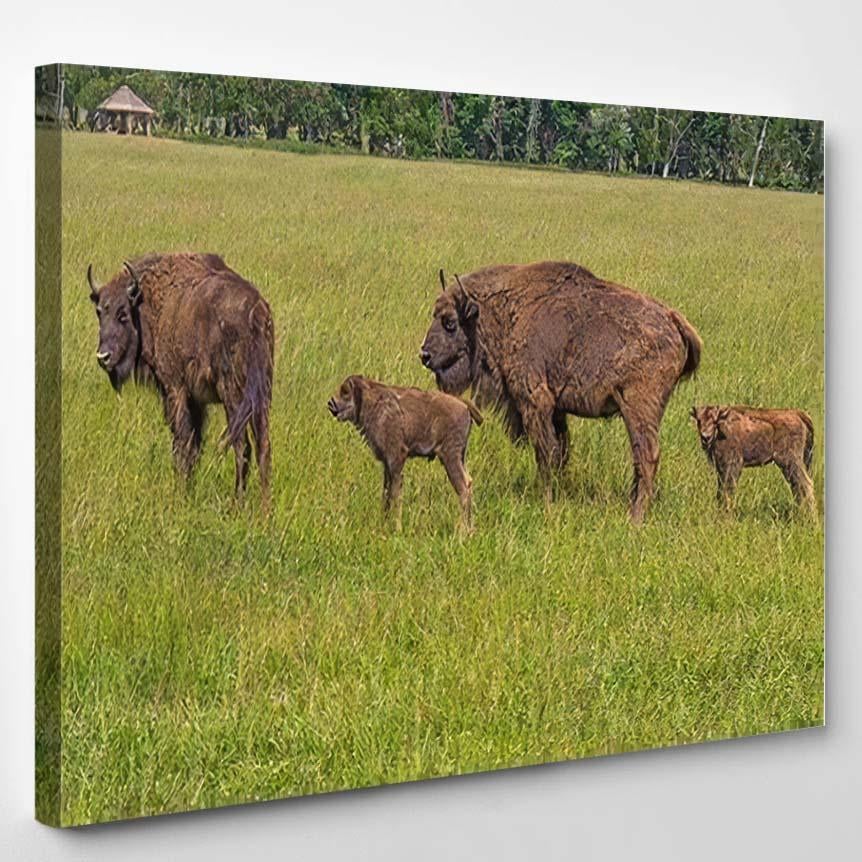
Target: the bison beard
(203, 335)
(455, 377)
(545, 340)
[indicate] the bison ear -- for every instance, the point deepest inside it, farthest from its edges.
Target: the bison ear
(134, 288)
(94, 288)
(442, 281)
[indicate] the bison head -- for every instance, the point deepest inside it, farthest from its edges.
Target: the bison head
(345, 406)
(708, 421)
(450, 344)
(119, 323)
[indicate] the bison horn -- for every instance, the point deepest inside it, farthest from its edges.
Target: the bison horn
(442, 281)
(468, 307)
(134, 289)
(463, 289)
(94, 288)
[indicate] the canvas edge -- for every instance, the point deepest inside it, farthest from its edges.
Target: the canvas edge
(48, 478)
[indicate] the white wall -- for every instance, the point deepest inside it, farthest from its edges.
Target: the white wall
(791, 796)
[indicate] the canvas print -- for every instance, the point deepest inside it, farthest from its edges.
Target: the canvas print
(386, 434)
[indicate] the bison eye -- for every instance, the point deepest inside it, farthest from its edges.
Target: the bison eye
(449, 324)
(121, 317)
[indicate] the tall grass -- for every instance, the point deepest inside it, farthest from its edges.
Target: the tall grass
(211, 655)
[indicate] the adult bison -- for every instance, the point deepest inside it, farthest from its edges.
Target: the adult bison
(547, 339)
(203, 335)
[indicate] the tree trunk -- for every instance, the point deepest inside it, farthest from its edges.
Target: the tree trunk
(61, 96)
(532, 154)
(447, 108)
(497, 120)
(672, 154)
(447, 121)
(757, 152)
(656, 140)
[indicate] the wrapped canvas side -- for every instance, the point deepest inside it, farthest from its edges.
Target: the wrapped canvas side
(48, 453)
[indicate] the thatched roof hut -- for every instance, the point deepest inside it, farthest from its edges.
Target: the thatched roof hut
(124, 111)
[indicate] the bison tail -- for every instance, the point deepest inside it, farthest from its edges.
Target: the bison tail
(693, 344)
(257, 391)
(474, 411)
(808, 451)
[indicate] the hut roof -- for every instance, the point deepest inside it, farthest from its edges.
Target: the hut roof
(125, 99)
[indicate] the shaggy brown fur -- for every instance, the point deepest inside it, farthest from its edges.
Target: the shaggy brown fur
(549, 339)
(399, 423)
(203, 335)
(738, 436)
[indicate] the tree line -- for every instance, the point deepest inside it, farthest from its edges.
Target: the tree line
(772, 152)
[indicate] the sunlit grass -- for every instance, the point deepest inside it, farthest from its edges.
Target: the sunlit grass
(212, 656)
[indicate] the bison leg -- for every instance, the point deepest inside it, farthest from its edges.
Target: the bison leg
(542, 432)
(198, 417)
(642, 424)
(186, 419)
(387, 484)
(242, 456)
(453, 462)
(259, 425)
(392, 479)
(242, 453)
(260, 431)
(562, 431)
(801, 484)
(513, 423)
(729, 470)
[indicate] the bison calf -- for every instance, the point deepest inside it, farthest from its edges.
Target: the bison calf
(400, 423)
(737, 437)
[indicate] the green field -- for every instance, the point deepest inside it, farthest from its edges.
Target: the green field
(212, 656)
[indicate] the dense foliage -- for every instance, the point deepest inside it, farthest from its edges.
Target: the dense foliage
(417, 124)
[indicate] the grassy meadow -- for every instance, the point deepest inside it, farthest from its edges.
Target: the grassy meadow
(211, 655)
